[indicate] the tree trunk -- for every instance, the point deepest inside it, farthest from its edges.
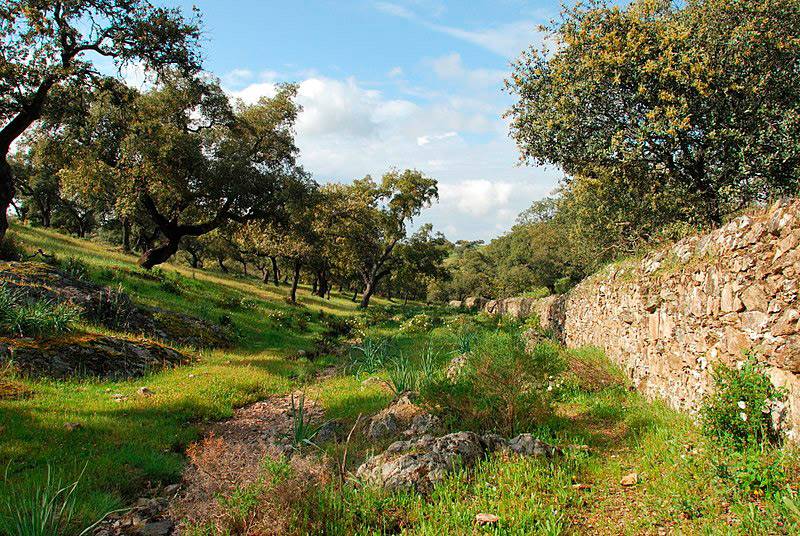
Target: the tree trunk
(275, 272)
(355, 295)
(155, 256)
(368, 291)
(126, 235)
(295, 282)
(195, 260)
(244, 267)
(314, 286)
(221, 263)
(7, 193)
(264, 274)
(323, 285)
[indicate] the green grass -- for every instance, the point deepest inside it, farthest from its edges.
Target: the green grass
(127, 445)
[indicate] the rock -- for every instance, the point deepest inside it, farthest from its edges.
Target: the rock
(329, 431)
(145, 392)
(101, 356)
(171, 490)
(486, 519)
(422, 462)
(455, 366)
(423, 424)
(456, 304)
(527, 445)
(157, 528)
(100, 304)
(72, 426)
(630, 479)
(119, 397)
(394, 419)
(755, 299)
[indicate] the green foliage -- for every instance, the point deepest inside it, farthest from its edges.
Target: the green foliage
(303, 431)
(754, 470)
(502, 387)
(738, 411)
(39, 318)
(168, 281)
(419, 323)
(372, 355)
(47, 509)
(74, 267)
(113, 308)
(692, 114)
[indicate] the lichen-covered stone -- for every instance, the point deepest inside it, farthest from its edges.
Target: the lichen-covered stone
(420, 463)
(87, 355)
(37, 281)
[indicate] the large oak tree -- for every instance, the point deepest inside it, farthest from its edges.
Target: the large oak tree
(47, 46)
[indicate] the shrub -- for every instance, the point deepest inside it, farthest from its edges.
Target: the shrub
(33, 319)
(112, 308)
(562, 285)
(419, 323)
(738, 411)
(502, 387)
(75, 268)
(753, 470)
(403, 375)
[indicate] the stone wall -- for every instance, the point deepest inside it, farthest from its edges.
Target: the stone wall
(668, 318)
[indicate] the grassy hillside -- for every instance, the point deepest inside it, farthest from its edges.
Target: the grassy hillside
(606, 430)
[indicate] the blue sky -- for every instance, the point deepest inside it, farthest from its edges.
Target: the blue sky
(405, 83)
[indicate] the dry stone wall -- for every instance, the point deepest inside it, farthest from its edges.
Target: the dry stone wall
(668, 318)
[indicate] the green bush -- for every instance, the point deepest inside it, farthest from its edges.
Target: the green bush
(167, 281)
(33, 319)
(737, 412)
(502, 387)
(562, 285)
(75, 268)
(752, 471)
(370, 356)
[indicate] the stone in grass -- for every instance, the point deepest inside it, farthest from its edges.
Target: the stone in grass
(630, 479)
(146, 392)
(157, 528)
(422, 462)
(486, 519)
(72, 426)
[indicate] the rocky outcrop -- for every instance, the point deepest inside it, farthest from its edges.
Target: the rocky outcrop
(87, 355)
(40, 281)
(668, 318)
(420, 463)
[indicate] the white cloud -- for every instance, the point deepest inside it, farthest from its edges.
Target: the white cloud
(506, 40)
(396, 72)
(451, 67)
(476, 197)
(347, 130)
(425, 140)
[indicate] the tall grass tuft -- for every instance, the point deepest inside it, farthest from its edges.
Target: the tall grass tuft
(33, 319)
(369, 357)
(45, 510)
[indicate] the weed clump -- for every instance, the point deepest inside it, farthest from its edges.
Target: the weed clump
(37, 318)
(502, 387)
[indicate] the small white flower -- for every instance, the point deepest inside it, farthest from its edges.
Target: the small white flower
(742, 404)
(743, 416)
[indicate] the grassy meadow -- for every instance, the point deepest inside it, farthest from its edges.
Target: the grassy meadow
(606, 430)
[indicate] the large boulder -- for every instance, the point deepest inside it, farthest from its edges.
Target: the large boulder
(419, 463)
(87, 355)
(474, 303)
